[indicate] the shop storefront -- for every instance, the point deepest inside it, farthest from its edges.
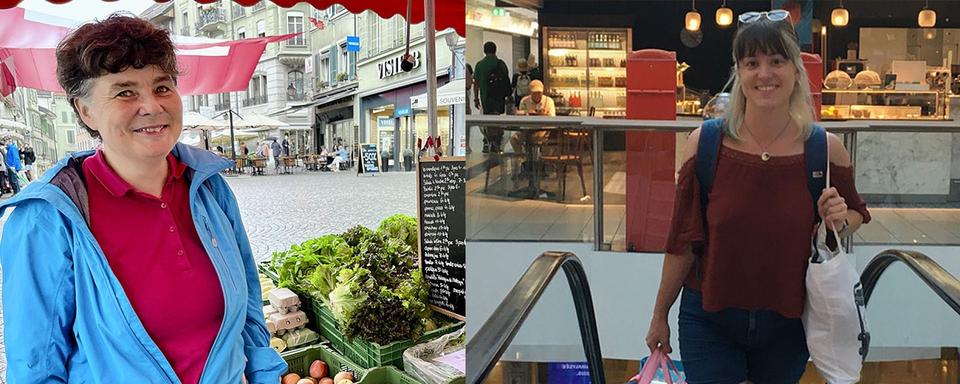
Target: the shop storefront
(387, 117)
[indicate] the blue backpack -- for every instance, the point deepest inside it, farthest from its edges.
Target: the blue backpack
(711, 134)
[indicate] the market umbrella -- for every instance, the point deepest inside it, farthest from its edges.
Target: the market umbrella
(193, 120)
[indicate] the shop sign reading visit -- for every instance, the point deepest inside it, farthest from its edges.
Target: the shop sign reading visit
(392, 67)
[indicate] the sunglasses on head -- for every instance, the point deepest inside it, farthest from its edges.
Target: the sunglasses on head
(774, 15)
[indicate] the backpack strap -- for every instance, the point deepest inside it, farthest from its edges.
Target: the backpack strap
(708, 148)
(815, 152)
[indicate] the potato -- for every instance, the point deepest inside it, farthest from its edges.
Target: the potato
(326, 380)
(318, 369)
(307, 380)
(291, 378)
(343, 375)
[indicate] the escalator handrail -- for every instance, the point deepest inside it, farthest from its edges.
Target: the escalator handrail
(495, 335)
(938, 279)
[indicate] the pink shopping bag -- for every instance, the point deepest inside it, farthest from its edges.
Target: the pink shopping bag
(658, 361)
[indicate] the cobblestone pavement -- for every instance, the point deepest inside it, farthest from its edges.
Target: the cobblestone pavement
(281, 210)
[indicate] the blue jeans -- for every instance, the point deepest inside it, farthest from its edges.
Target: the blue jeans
(734, 345)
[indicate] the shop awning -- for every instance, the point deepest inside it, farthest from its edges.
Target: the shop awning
(332, 96)
(450, 93)
(447, 13)
(28, 42)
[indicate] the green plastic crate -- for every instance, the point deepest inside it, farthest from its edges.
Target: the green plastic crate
(387, 375)
(368, 354)
(299, 360)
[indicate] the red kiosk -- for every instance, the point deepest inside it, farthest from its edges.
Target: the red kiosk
(651, 156)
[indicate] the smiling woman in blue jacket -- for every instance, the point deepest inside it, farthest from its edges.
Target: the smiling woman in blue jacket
(130, 263)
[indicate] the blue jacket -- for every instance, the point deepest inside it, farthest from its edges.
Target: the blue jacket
(66, 315)
(13, 157)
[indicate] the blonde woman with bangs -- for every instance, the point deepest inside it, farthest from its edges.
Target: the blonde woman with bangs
(741, 258)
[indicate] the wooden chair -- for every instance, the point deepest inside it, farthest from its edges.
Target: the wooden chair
(568, 150)
(310, 162)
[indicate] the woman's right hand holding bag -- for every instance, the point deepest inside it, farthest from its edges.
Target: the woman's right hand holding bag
(658, 336)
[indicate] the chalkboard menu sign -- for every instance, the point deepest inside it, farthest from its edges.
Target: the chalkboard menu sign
(369, 159)
(441, 205)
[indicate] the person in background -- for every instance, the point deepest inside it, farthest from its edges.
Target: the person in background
(28, 157)
(220, 149)
(130, 263)
(536, 103)
(13, 165)
(4, 180)
(492, 89)
(741, 261)
(286, 145)
(276, 151)
(341, 156)
(521, 82)
(534, 67)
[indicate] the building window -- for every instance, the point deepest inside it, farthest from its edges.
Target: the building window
(295, 85)
(343, 64)
(63, 117)
(185, 29)
(261, 28)
(256, 91)
(295, 25)
(71, 136)
(241, 33)
(201, 101)
(373, 33)
(238, 11)
(223, 102)
(400, 31)
(324, 70)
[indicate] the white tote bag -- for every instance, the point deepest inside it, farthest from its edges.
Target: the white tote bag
(833, 315)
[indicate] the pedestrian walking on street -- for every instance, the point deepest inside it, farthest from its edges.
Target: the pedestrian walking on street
(4, 180)
(28, 157)
(276, 151)
(130, 263)
(13, 165)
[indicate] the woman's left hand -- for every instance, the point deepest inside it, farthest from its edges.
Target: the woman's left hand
(832, 208)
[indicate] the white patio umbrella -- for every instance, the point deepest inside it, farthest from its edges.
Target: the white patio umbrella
(193, 120)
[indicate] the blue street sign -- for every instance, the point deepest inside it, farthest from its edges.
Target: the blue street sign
(353, 43)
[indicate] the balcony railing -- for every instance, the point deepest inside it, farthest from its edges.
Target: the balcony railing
(210, 18)
(258, 6)
(255, 100)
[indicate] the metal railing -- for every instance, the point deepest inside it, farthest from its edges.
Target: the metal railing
(210, 16)
(598, 127)
(944, 284)
(495, 335)
(254, 100)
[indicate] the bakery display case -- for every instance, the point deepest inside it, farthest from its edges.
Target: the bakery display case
(586, 70)
(883, 105)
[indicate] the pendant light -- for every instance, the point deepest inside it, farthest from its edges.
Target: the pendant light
(927, 17)
(840, 16)
(724, 15)
(692, 20)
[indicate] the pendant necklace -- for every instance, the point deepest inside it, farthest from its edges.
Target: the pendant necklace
(765, 155)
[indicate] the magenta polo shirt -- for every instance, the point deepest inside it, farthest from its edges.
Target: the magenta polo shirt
(153, 248)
